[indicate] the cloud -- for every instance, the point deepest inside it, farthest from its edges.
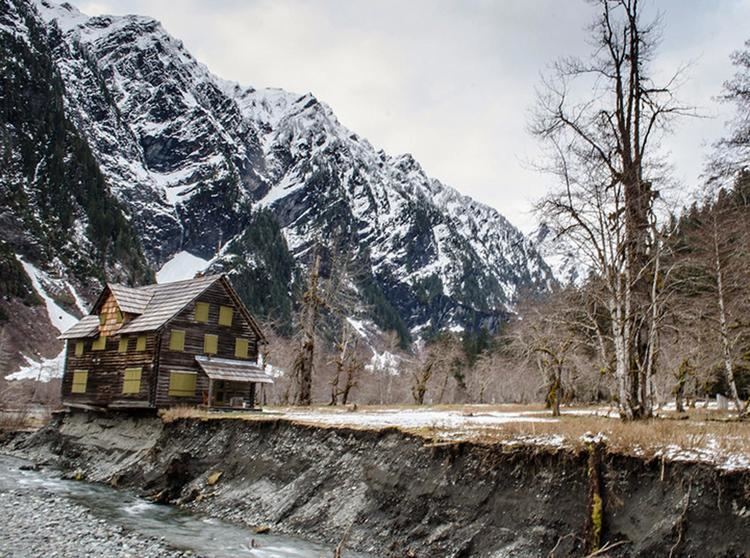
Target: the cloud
(449, 82)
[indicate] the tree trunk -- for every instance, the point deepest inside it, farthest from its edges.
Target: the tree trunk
(723, 325)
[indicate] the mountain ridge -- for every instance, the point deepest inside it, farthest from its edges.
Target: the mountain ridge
(191, 158)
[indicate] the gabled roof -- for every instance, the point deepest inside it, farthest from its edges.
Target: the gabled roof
(155, 305)
(166, 301)
(88, 326)
(131, 300)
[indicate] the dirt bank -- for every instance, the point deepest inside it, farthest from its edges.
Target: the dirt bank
(396, 494)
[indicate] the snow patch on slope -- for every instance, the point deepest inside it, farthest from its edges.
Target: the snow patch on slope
(58, 317)
(43, 371)
(183, 265)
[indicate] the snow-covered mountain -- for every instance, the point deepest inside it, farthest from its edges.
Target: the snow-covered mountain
(189, 158)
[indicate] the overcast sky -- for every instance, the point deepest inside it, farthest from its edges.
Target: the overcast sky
(449, 81)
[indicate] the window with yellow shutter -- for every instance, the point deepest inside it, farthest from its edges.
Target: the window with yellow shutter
(99, 344)
(201, 312)
(240, 347)
(225, 315)
(122, 346)
(79, 348)
(182, 384)
(210, 344)
(131, 381)
(140, 344)
(177, 340)
(80, 379)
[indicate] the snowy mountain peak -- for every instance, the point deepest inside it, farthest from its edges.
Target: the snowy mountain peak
(190, 156)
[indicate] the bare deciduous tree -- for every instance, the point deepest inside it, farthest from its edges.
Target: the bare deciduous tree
(601, 119)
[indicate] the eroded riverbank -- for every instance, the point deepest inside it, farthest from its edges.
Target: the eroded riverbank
(396, 494)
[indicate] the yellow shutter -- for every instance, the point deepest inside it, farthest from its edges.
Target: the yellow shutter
(182, 384)
(99, 344)
(131, 382)
(122, 347)
(201, 312)
(79, 348)
(240, 347)
(140, 344)
(225, 315)
(118, 316)
(80, 379)
(210, 344)
(177, 340)
(102, 319)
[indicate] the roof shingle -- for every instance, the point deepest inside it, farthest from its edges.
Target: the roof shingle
(154, 306)
(166, 301)
(88, 326)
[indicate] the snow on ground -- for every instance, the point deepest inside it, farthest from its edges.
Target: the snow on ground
(43, 371)
(416, 418)
(711, 452)
(57, 316)
(183, 265)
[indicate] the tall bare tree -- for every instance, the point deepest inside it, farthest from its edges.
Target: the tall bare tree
(312, 304)
(600, 119)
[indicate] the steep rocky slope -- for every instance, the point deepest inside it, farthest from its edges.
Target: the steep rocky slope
(176, 161)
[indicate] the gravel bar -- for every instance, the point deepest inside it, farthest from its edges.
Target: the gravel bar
(48, 525)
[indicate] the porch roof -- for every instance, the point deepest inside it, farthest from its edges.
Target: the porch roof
(233, 370)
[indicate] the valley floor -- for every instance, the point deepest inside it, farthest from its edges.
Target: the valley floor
(702, 435)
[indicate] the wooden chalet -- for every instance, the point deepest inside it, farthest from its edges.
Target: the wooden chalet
(184, 343)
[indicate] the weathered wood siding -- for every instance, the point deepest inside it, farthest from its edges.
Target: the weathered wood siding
(106, 370)
(113, 317)
(170, 360)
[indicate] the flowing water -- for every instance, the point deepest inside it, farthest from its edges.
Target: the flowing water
(203, 535)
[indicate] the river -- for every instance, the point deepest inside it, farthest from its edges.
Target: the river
(204, 536)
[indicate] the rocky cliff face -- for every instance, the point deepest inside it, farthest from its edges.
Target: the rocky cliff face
(182, 161)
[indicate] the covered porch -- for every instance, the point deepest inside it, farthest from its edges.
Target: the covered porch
(232, 384)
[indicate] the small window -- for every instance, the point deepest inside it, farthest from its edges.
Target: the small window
(225, 315)
(240, 347)
(210, 344)
(80, 379)
(131, 382)
(122, 346)
(99, 344)
(102, 319)
(118, 316)
(177, 340)
(140, 344)
(79, 348)
(201, 312)
(182, 384)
